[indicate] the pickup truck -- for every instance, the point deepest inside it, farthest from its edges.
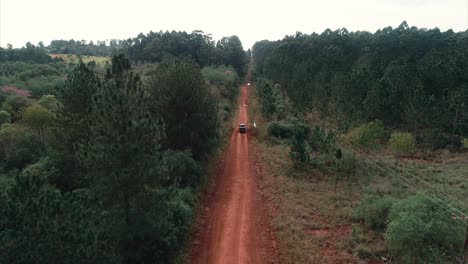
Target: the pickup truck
(242, 128)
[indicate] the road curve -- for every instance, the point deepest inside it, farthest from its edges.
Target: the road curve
(235, 227)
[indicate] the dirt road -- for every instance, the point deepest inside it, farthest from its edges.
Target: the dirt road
(235, 226)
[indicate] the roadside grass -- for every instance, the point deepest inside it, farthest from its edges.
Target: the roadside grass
(311, 213)
(313, 208)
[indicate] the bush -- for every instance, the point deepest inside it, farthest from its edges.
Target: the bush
(15, 104)
(374, 210)
(363, 251)
(220, 74)
(5, 117)
(368, 135)
(420, 231)
(435, 138)
(224, 78)
(401, 143)
(321, 140)
(18, 147)
(281, 130)
(299, 152)
(465, 143)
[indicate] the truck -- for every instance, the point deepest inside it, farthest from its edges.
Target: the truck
(242, 128)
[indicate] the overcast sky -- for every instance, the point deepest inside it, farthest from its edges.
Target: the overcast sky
(251, 20)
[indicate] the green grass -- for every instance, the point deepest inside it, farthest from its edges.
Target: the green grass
(302, 202)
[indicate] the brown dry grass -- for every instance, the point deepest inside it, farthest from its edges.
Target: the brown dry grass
(311, 213)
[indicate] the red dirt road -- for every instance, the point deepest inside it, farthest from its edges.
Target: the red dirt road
(235, 227)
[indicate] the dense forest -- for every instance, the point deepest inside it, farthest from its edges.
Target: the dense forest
(103, 162)
(404, 77)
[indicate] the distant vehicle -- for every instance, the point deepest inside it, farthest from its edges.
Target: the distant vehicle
(242, 128)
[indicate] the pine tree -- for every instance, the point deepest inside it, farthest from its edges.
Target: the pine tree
(72, 130)
(122, 154)
(179, 94)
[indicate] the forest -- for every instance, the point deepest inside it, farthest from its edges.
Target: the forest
(404, 77)
(107, 147)
(383, 118)
(103, 162)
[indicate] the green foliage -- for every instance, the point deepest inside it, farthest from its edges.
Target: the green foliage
(39, 224)
(281, 130)
(165, 225)
(401, 143)
(367, 135)
(224, 78)
(231, 52)
(465, 143)
(123, 157)
(73, 117)
(50, 102)
(403, 75)
(220, 75)
(34, 79)
(38, 118)
(374, 210)
(420, 231)
(179, 94)
(182, 167)
(81, 47)
(321, 141)
(266, 96)
(29, 53)
(299, 152)
(15, 104)
(5, 117)
(18, 147)
(434, 138)
(166, 46)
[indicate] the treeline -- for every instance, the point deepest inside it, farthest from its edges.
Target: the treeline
(28, 53)
(107, 169)
(405, 77)
(149, 48)
(159, 46)
(82, 47)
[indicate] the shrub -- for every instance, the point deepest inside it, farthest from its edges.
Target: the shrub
(420, 231)
(220, 74)
(368, 135)
(5, 117)
(50, 102)
(14, 105)
(280, 130)
(374, 210)
(299, 152)
(18, 147)
(363, 251)
(321, 140)
(401, 143)
(465, 143)
(435, 138)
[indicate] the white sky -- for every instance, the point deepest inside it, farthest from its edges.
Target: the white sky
(251, 20)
